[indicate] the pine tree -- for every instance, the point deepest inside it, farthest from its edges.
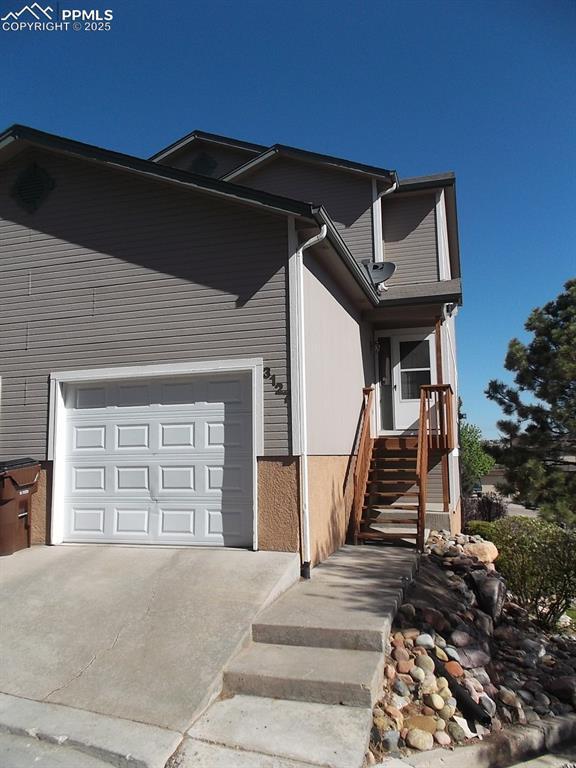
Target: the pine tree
(538, 447)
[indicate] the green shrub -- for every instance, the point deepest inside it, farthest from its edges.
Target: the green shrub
(538, 560)
(479, 528)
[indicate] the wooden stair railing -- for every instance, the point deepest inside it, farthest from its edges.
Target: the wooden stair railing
(435, 433)
(363, 459)
(391, 472)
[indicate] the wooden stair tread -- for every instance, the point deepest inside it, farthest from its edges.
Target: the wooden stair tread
(392, 481)
(392, 507)
(395, 470)
(399, 494)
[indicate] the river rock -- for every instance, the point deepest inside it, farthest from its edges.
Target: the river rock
(442, 738)
(453, 668)
(441, 682)
(471, 657)
(400, 701)
(425, 663)
(434, 700)
(420, 740)
(456, 733)
(423, 722)
(564, 688)
(508, 697)
(425, 641)
(447, 712)
(484, 623)
(408, 611)
(460, 639)
(485, 551)
(390, 740)
(526, 696)
(488, 705)
(429, 684)
(400, 687)
(480, 674)
(417, 674)
(400, 654)
(452, 653)
(440, 654)
(404, 667)
(491, 593)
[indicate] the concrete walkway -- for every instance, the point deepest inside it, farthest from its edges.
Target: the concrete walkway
(302, 692)
(135, 634)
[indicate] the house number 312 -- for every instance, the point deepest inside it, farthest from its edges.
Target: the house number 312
(279, 388)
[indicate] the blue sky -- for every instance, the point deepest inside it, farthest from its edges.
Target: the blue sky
(482, 88)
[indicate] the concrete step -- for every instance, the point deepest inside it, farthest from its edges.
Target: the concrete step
(251, 732)
(110, 739)
(322, 675)
(348, 603)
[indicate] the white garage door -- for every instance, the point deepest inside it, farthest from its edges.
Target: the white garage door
(159, 461)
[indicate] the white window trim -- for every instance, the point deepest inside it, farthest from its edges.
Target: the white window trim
(377, 234)
(442, 237)
(57, 417)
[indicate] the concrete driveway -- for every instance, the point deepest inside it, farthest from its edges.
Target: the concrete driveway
(134, 633)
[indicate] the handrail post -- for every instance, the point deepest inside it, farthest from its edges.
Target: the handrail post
(362, 468)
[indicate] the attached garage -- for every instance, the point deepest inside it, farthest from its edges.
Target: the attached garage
(157, 455)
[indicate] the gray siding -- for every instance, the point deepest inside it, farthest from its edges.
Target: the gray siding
(113, 270)
(409, 230)
(208, 159)
(346, 197)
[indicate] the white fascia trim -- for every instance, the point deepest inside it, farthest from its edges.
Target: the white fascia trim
(57, 417)
(442, 237)
(248, 166)
(377, 223)
(295, 352)
(200, 139)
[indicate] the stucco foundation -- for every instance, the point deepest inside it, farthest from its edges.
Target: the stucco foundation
(330, 498)
(278, 505)
(41, 503)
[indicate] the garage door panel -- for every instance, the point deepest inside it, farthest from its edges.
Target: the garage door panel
(132, 520)
(160, 461)
(178, 520)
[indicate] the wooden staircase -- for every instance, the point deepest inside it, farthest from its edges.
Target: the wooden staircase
(391, 473)
(391, 498)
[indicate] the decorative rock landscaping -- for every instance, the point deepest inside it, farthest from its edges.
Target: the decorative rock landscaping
(465, 661)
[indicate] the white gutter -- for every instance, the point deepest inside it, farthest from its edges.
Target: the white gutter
(302, 420)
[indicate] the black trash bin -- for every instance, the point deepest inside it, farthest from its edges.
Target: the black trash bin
(18, 481)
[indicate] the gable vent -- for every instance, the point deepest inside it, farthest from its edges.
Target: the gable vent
(203, 164)
(32, 187)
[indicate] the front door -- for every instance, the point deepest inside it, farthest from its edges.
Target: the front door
(406, 361)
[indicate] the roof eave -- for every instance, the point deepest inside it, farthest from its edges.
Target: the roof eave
(147, 168)
(210, 138)
(280, 150)
(356, 270)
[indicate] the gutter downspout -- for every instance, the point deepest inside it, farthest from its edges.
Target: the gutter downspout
(388, 191)
(393, 188)
(306, 549)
